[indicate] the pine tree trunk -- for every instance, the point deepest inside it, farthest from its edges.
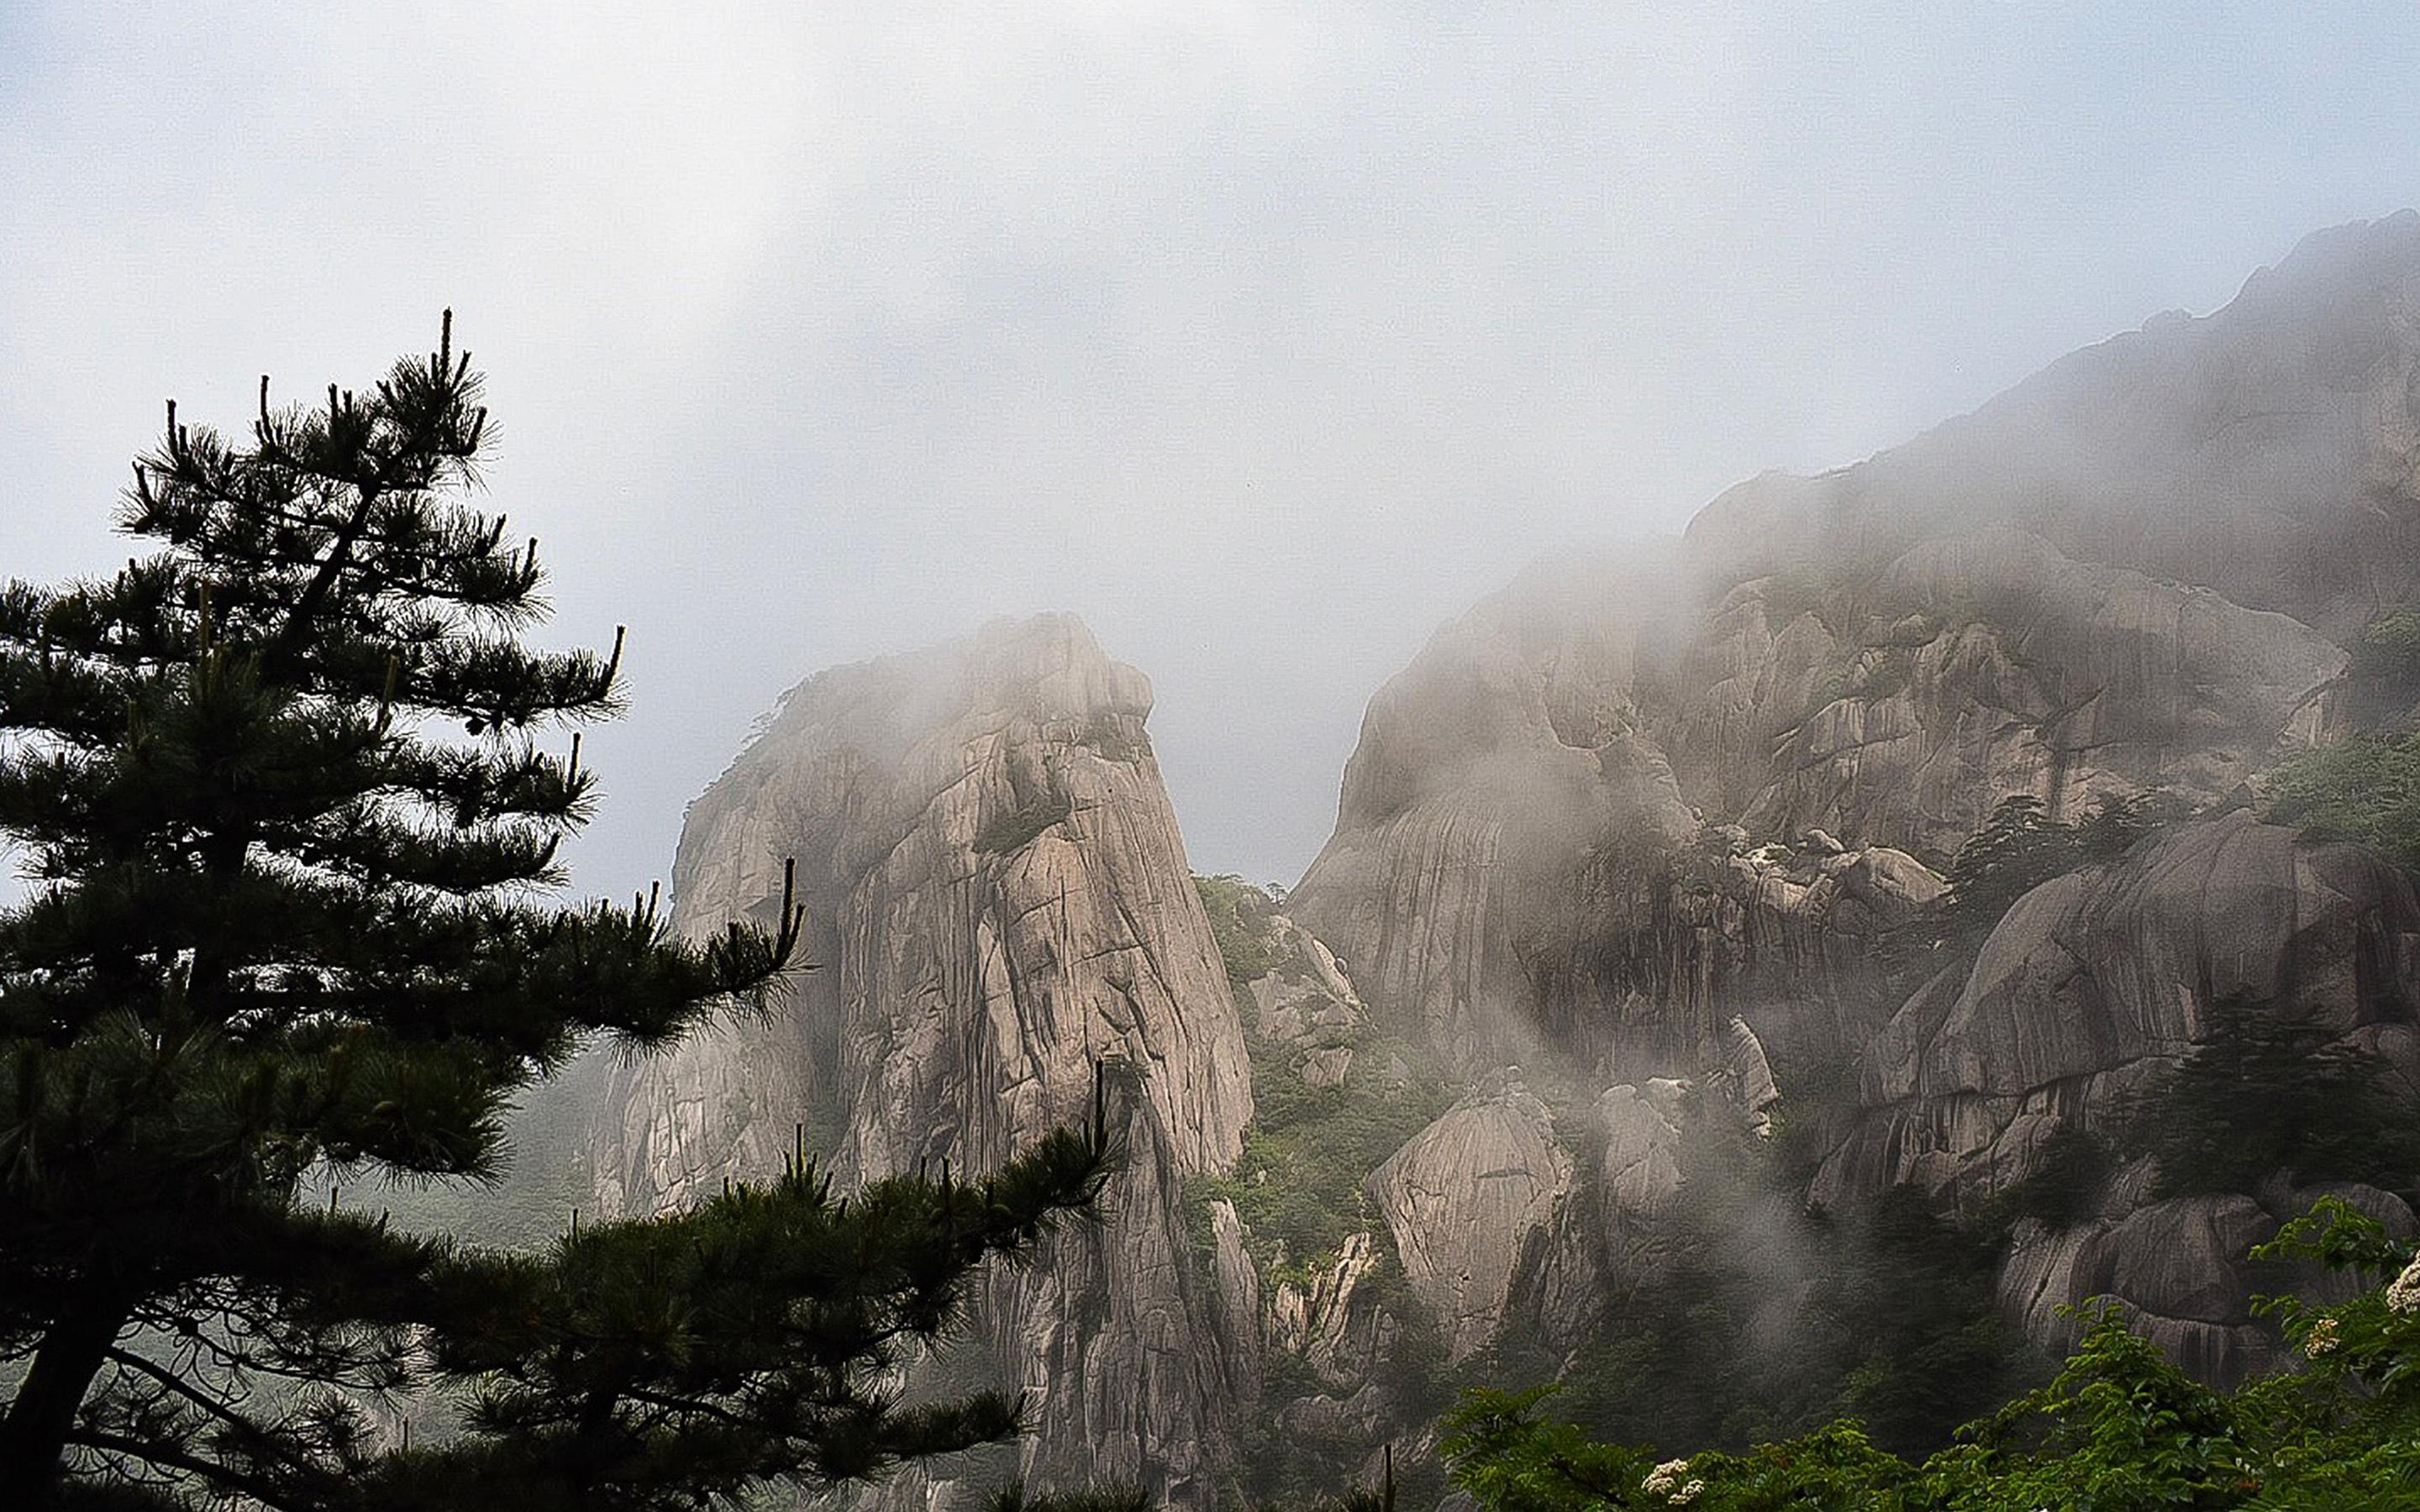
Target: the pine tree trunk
(44, 1411)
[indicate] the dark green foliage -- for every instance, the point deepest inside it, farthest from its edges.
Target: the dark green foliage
(1015, 828)
(2120, 1430)
(1744, 1316)
(544, 1174)
(2390, 644)
(683, 1360)
(2363, 789)
(1013, 1497)
(1372, 1498)
(1308, 1149)
(2270, 1088)
(2065, 1184)
(1808, 1124)
(2382, 683)
(1240, 922)
(2018, 849)
(1908, 1295)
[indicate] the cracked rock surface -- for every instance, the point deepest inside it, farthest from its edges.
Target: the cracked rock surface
(998, 900)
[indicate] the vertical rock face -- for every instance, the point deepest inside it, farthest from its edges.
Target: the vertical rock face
(999, 902)
(1500, 805)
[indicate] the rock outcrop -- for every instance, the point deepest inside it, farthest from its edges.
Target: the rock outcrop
(2178, 1269)
(1307, 1005)
(2099, 978)
(999, 902)
(1463, 1198)
(1502, 802)
(1635, 798)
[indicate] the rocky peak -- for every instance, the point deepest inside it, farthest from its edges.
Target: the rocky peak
(1641, 798)
(2266, 452)
(1001, 903)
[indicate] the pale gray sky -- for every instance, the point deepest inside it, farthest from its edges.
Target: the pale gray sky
(1264, 336)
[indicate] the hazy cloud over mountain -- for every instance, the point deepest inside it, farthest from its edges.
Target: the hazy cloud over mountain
(1262, 336)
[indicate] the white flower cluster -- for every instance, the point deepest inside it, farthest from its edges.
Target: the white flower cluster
(2321, 1339)
(1687, 1494)
(1664, 1478)
(2403, 1294)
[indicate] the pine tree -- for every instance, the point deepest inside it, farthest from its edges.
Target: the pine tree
(2273, 1088)
(284, 920)
(682, 1362)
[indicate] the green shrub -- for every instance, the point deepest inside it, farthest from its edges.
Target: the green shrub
(1240, 923)
(2065, 1186)
(1308, 1149)
(2389, 647)
(2018, 849)
(2270, 1088)
(2363, 789)
(1742, 1315)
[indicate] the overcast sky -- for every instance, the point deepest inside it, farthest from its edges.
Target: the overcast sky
(1264, 336)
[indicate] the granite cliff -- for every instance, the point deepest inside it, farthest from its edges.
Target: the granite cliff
(1631, 799)
(1000, 902)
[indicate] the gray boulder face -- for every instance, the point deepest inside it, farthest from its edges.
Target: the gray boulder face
(2178, 1269)
(1463, 1198)
(999, 902)
(2097, 979)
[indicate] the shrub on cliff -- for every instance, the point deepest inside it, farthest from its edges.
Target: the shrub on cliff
(2018, 849)
(2273, 1089)
(1240, 915)
(2365, 788)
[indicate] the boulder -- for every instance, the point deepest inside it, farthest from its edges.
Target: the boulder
(1462, 1199)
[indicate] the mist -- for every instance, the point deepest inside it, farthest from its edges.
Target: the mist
(1264, 337)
